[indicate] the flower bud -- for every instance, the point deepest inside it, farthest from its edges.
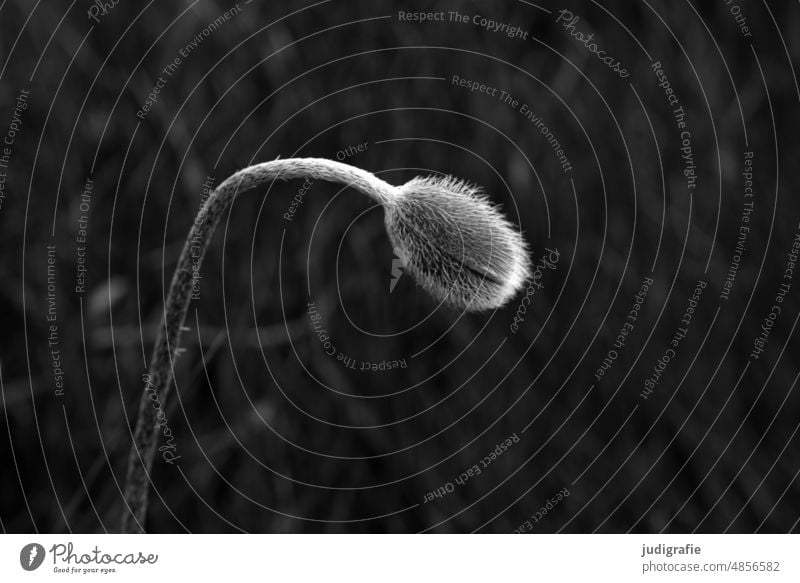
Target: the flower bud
(457, 245)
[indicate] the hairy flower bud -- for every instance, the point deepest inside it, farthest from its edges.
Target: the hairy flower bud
(458, 246)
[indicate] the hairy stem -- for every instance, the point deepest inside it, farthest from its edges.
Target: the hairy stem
(159, 380)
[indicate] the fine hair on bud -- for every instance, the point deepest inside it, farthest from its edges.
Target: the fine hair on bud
(456, 243)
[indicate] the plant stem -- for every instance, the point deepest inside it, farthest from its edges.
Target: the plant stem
(157, 385)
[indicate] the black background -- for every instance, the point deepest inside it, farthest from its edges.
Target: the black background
(273, 434)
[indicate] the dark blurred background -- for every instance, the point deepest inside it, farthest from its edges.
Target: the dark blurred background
(275, 435)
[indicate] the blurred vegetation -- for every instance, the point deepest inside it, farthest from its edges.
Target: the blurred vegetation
(276, 436)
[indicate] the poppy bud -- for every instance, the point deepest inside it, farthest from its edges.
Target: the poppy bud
(458, 246)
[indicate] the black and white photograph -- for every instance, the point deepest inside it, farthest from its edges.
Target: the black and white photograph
(366, 269)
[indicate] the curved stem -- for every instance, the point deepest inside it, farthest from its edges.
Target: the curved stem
(159, 379)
